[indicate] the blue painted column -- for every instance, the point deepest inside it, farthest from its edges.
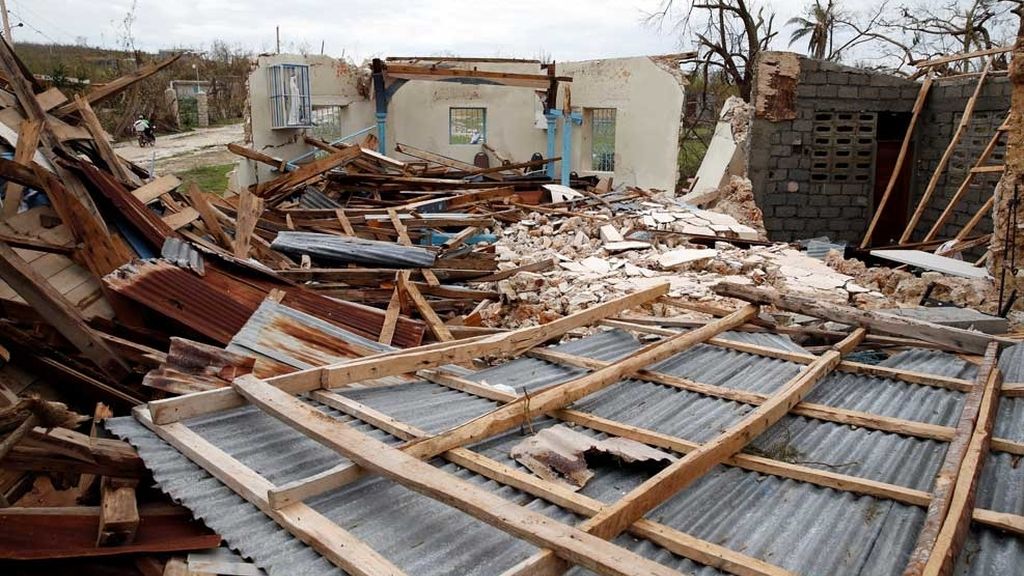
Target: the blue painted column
(552, 119)
(567, 122)
(382, 136)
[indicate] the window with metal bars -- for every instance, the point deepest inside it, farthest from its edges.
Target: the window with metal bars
(602, 139)
(290, 103)
(327, 122)
(467, 125)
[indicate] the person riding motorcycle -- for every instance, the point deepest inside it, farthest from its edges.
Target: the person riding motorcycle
(144, 130)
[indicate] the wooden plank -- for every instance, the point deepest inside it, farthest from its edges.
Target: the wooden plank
(114, 87)
(673, 540)
(976, 219)
(806, 409)
(404, 361)
(208, 214)
(346, 226)
(304, 174)
(436, 325)
(277, 163)
(963, 340)
(339, 546)
(119, 514)
(100, 140)
(181, 219)
(150, 191)
(387, 331)
(441, 160)
(961, 129)
(408, 72)
(947, 516)
(60, 313)
(616, 518)
(958, 57)
(522, 411)
(908, 137)
(374, 455)
(24, 151)
(249, 209)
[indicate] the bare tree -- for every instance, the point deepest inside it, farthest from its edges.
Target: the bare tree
(728, 34)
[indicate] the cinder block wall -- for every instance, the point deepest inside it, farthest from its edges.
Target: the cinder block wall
(940, 118)
(805, 187)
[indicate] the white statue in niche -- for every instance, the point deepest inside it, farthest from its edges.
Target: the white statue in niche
(294, 101)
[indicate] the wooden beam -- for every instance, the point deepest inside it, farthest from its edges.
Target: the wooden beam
(404, 361)
(908, 137)
(119, 514)
(554, 398)
(114, 87)
(406, 72)
(440, 160)
(961, 339)
(965, 186)
(250, 206)
(24, 151)
(276, 163)
(304, 174)
(616, 518)
(964, 56)
(947, 516)
(208, 213)
(436, 325)
(387, 331)
(339, 546)
(58, 312)
(150, 191)
(961, 129)
(99, 137)
(374, 455)
(673, 540)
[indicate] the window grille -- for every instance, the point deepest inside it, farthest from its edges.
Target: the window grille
(290, 104)
(602, 139)
(843, 149)
(467, 125)
(327, 123)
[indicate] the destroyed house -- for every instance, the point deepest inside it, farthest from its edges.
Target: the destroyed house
(826, 139)
(623, 118)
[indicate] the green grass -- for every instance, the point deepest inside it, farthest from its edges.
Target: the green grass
(691, 153)
(213, 178)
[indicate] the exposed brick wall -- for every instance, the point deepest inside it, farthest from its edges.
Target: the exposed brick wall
(939, 120)
(811, 180)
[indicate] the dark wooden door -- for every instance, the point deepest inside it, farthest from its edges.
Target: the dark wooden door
(894, 217)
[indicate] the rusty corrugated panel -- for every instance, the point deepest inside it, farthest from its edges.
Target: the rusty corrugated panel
(214, 311)
(194, 367)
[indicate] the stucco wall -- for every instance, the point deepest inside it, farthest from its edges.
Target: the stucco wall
(647, 96)
(332, 82)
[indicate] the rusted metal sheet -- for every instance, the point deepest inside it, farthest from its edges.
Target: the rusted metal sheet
(194, 367)
(560, 455)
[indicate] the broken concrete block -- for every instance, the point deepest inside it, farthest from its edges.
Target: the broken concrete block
(610, 233)
(649, 221)
(626, 245)
(663, 217)
(674, 258)
(697, 230)
(745, 232)
(596, 265)
(561, 193)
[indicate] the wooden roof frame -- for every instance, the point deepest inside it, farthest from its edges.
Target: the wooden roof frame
(588, 544)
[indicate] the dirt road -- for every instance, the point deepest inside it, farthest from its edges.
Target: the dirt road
(178, 152)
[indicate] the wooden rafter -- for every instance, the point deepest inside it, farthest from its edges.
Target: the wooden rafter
(616, 518)
(570, 543)
(954, 486)
(404, 361)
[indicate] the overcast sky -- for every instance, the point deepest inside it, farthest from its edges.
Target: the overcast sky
(561, 29)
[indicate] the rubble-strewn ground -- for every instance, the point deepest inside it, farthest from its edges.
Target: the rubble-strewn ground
(592, 267)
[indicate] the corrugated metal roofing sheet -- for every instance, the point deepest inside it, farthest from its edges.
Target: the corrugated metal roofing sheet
(801, 527)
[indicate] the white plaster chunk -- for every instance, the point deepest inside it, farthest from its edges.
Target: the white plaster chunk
(626, 245)
(674, 258)
(610, 233)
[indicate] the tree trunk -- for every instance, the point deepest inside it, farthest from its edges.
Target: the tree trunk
(1007, 247)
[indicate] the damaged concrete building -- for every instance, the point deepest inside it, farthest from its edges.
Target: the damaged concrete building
(825, 141)
(623, 122)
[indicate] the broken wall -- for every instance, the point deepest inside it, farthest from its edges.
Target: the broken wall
(811, 148)
(646, 93)
(940, 118)
(333, 82)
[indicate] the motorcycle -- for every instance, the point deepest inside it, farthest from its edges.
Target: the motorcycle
(146, 138)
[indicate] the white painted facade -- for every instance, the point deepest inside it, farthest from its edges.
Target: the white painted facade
(646, 93)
